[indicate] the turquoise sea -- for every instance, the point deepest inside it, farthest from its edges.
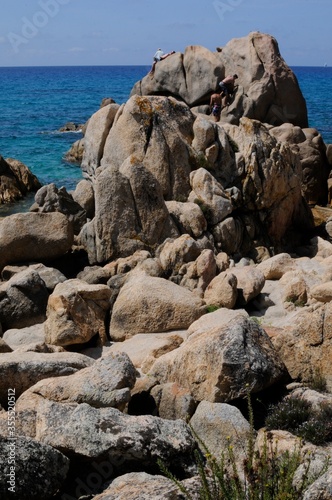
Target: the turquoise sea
(36, 101)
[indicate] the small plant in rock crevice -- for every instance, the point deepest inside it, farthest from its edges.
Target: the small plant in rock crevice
(302, 419)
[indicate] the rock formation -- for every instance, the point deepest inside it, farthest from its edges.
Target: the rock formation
(183, 271)
(268, 90)
(16, 180)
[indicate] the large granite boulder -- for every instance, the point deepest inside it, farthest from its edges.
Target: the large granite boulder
(20, 337)
(268, 89)
(147, 304)
(96, 134)
(89, 433)
(182, 76)
(16, 180)
(23, 237)
(157, 132)
(130, 213)
(221, 357)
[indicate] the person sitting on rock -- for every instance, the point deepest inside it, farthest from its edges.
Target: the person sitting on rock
(227, 86)
(215, 106)
(159, 56)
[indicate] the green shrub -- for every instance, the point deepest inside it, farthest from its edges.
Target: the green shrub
(302, 419)
(288, 415)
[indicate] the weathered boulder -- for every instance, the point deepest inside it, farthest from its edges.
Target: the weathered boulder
(295, 289)
(270, 184)
(124, 265)
(142, 486)
(96, 134)
(144, 348)
(157, 132)
(16, 180)
(220, 425)
(18, 337)
(314, 160)
(181, 76)
(23, 300)
(214, 151)
(21, 371)
(222, 291)
(197, 275)
(107, 433)
(106, 383)
(314, 398)
(85, 197)
(49, 275)
(322, 292)
(188, 217)
(275, 267)
(76, 312)
(287, 132)
(23, 237)
(250, 282)
(315, 167)
(146, 304)
(94, 275)
(30, 469)
(305, 343)
(217, 362)
(268, 89)
(173, 253)
(173, 402)
(75, 152)
(49, 198)
(214, 201)
(130, 214)
(228, 235)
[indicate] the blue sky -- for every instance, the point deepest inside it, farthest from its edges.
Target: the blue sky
(109, 32)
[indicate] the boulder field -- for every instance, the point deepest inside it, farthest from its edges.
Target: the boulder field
(187, 268)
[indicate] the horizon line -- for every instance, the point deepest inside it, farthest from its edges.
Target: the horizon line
(129, 65)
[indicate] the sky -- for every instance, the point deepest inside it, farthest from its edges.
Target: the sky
(128, 32)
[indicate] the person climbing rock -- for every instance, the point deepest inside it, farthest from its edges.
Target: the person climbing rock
(215, 106)
(227, 86)
(159, 56)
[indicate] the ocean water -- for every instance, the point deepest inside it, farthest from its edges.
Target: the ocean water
(36, 101)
